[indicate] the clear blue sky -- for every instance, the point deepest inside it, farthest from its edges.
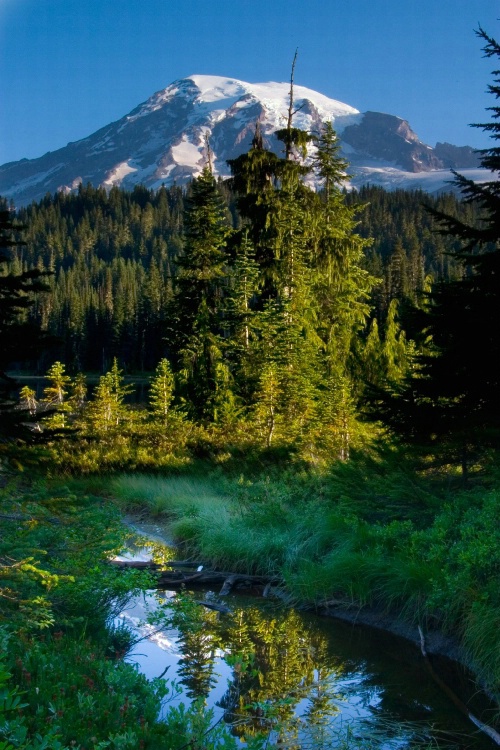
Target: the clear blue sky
(69, 67)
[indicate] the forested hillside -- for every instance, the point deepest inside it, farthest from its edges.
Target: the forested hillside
(114, 256)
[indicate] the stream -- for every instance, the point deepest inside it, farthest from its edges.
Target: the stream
(304, 680)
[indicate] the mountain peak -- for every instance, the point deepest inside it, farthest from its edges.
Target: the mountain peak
(162, 140)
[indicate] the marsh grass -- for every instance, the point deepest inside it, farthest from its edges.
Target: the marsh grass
(437, 560)
(175, 497)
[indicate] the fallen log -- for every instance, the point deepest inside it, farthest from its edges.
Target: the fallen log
(211, 577)
(136, 564)
(205, 577)
(171, 579)
(150, 565)
(228, 585)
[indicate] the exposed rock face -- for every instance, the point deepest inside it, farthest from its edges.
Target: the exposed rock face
(390, 138)
(162, 141)
(456, 157)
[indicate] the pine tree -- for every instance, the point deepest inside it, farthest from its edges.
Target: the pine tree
(161, 391)
(55, 393)
(268, 400)
(454, 398)
(342, 286)
(107, 409)
(398, 353)
(54, 396)
(329, 164)
(196, 309)
(341, 294)
(243, 289)
(27, 400)
(78, 394)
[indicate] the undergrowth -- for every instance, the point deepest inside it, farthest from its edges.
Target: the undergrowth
(63, 683)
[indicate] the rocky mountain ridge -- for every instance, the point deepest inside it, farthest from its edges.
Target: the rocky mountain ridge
(162, 141)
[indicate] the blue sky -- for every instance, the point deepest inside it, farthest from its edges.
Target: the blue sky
(69, 67)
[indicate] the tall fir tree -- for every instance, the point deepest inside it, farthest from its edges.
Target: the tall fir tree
(196, 325)
(341, 292)
(454, 398)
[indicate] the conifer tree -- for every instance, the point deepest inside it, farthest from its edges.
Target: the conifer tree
(268, 400)
(337, 424)
(341, 292)
(241, 317)
(398, 353)
(329, 164)
(55, 393)
(107, 409)
(54, 396)
(161, 391)
(196, 308)
(27, 400)
(342, 285)
(78, 393)
(454, 398)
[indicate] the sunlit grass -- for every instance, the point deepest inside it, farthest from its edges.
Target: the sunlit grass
(174, 497)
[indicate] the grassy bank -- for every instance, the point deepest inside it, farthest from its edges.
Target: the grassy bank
(373, 532)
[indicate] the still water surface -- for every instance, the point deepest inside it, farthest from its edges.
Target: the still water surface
(307, 681)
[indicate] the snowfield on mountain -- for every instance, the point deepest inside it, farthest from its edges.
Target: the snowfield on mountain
(163, 141)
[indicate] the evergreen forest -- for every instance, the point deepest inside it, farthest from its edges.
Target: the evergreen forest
(112, 259)
(319, 403)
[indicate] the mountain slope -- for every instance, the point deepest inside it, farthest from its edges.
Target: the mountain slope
(162, 141)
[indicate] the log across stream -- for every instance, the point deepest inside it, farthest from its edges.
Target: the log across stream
(308, 681)
(195, 573)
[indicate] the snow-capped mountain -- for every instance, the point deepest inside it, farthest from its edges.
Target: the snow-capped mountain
(162, 141)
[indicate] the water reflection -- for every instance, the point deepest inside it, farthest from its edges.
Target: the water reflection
(276, 665)
(303, 681)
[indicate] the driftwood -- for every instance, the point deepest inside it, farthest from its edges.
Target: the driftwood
(492, 733)
(228, 585)
(203, 577)
(150, 565)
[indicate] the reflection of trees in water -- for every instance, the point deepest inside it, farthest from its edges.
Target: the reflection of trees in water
(196, 668)
(198, 640)
(277, 662)
(159, 552)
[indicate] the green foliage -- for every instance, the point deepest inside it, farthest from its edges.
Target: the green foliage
(55, 397)
(270, 346)
(20, 339)
(107, 411)
(196, 326)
